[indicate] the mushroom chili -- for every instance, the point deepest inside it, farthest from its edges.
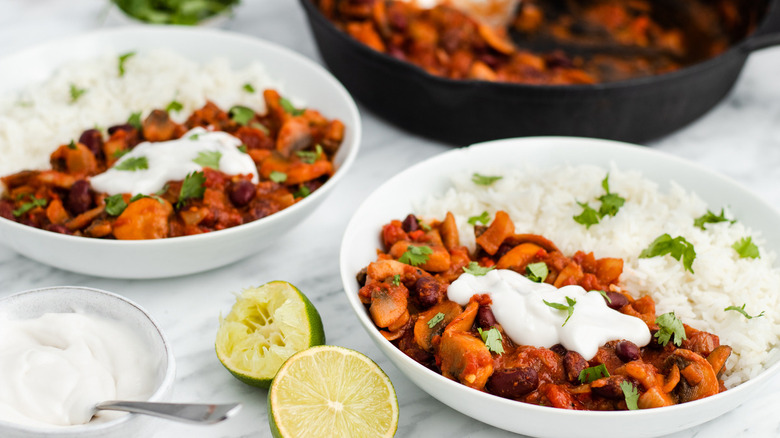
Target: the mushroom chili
(414, 293)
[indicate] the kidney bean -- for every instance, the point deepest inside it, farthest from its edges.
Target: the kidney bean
(123, 127)
(513, 382)
(242, 192)
(429, 291)
(485, 317)
(93, 140)
(616, 300)
(627, 351)
(79, 197)
(559, 349)
(574, 363)
(410, 224)
(608, 387)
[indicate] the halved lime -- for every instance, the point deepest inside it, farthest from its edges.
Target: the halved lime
(330, 391)
(267, 325)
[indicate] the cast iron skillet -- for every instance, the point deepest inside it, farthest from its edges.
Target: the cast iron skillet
(464, 112)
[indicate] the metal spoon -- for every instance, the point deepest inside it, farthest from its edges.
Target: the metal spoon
(186, 412)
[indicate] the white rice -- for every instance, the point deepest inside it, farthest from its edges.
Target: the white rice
(36, 120)
(543, 201)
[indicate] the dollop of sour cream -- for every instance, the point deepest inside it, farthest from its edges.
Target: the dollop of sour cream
(55, 368)
(518, 305)
(172, 161)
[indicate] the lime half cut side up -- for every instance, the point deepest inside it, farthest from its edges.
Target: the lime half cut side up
(266, 326)
(330, 391)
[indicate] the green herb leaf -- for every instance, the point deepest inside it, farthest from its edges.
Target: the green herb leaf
(188, 12)
(289, 108)
(492, 339)
(570, 308)
(243, 149)
(424, 226)
(537, 272)
(122, 59)
(397, 280)
(711, 218)
(174, 106)
(277, 177)
(610, 202)
(260, 126)
(746, 248)
(743, 312)
(115, 205)
(302, 191)
(669, 325)
(27, 206)
(208, 159)
(249, 88)
(241, 114)
(484, 180)
(437, 318)
(588, 217)
(484, 218)
(631, 394)
(72, 145)
(120, 153)
(677, 247)
(593, 373)
(603, 294)
(76, 93)
(135, 120)
(474, 269)
(416, 255)
(309, 157)
(192, 188)
(132, 164)
(137, 197)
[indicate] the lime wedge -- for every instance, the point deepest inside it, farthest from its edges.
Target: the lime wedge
(332, 391)
(267, 325)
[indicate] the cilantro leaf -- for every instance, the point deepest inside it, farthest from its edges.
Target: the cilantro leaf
(397, 280)
(248, 88)
(135, 120)
(610, 202)
(192, 187)
(208, 159)
(631, 394)
(743, 312)
(588, 217)
(424, 226)
(120, 153)
(474, 269)
(746, 248)
(241, 114)
(115, 205)
(437, 318)
(242, 148)
(72, 145)
(537, 272)
(492, 339)
(309, 157)
(484, 218)
(677, 247)
(289, 108)
(261, 127)
(132, 164)
(174, 106)
(302, 191)
(122, 59)
(76, 93)
(669, 325)
(484, 180)
(593, 373)
(568, 308)
(603, 294)
(277, 177)
(27, 206)
(710, 218)
(416, 255)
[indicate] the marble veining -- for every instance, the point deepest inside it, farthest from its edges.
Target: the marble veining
(739, 138)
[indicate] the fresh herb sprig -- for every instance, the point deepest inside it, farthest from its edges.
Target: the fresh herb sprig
(483, 218)
(746, 248)
(711, 218)
(416, 255)
(677, 247)
(593, 373)
(492, 339)
(476, 270)
(631, 394)
(610, 205)
(537, 272)
(437, 318)
(484, 180)
(743, 312)
(27, 206)
(192, 188)
(669, 326)
(568, 307)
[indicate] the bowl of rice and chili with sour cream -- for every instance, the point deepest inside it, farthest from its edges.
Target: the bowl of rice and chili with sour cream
(455, 256)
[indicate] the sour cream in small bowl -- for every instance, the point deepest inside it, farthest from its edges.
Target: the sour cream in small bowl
(65, 349)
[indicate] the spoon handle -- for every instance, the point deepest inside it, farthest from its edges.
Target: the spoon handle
(187, 412)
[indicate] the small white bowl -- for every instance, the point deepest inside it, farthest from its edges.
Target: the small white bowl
(394, 200)
(68, 299)
(180, 255)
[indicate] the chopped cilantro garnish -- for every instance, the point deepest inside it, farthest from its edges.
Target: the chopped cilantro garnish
(397, 280)
(492, 339)
(191, 188)
(474, 269)
(72, 145)
(122, 59)
(484, 180)
(248, 88)
(208, 159)
(27, 206)
(588, 217)
(669, 325)
(242, 148)
(568, 308)
(677, 247)
(537, 272)
(603, 294)
(132, 164)
(743, 312)
(309, 157)
(120, 153)
(416, 255)
(241, 114)
(76, 93)
(631, 394)
(302, 191)
(424, 226)
(289, 108)
(260, 126)
(277, 177)
(610, 204)
(746, 248)
(115, 205)
(437, 318)
(174, 106)
(135, 120)
(484, 218)
(711, 218)
(593, 373)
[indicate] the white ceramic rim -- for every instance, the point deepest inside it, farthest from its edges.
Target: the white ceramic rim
(355, 128)
(350, 285)
(165, 385)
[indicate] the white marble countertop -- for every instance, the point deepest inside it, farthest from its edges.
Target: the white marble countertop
(739, 138)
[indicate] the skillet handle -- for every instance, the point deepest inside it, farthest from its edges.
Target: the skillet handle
(758, 42)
